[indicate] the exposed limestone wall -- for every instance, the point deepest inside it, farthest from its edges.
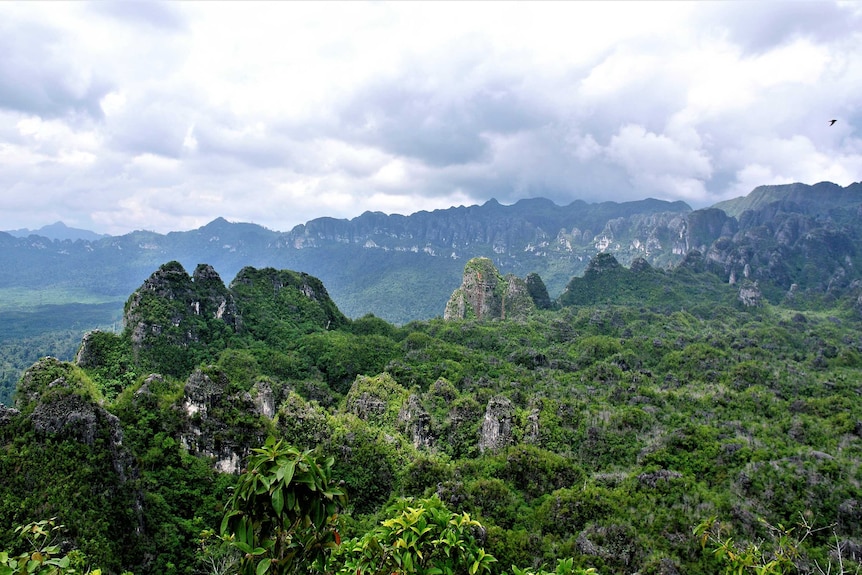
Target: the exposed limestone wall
(485, 294)
(496, 431)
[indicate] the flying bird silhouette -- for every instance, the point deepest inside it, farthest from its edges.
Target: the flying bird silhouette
(832, 122)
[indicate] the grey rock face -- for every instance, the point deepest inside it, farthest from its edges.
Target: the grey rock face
(485, 294)
(750, 295)
(203, 295)
(496, 431)
(86, 356)
(208, 404)
(416, 423)
(7, 414)
(76, 417)
(367, 406)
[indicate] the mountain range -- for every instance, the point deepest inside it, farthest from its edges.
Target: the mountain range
(58, 231)
(402, 268)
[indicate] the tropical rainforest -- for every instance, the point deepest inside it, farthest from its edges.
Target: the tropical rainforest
(653, 421)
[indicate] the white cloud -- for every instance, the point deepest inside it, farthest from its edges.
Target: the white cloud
(659, 166)
(165, 116)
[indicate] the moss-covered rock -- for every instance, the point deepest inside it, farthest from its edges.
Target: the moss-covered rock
(486, 294)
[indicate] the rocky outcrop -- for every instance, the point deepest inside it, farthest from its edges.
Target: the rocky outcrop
(222, 424)
(303, 423)
(49, 377)
(60, 402)
(175, 321)
(377, 399)
(496, 431)
(7, 414)
(750, 294)
(485, 294)
(172, 309)
(88, 355)
(538, 291)
(654, 478)
(531, 433)
(705, 227)
(415, 423)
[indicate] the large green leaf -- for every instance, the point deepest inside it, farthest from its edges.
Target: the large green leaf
(278, 501)
(263, 566)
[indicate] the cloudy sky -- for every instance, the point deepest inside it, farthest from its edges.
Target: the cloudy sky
(117, 116)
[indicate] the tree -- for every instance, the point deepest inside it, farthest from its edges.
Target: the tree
(282, 514)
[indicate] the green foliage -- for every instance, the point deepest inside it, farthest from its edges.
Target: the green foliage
(43, 554)
(777, 555)
(626, 425)
(341, 356)
(277, 305)
(303, 424)
(538, 292)
(419, 537)
(378, 399)
(535, 472)
(564, 567)
(366, 459)
(240, 367)
(51, 378)
(110, 362)
(283, 511)
(50, 474)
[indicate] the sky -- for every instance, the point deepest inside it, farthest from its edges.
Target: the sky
(128, 115)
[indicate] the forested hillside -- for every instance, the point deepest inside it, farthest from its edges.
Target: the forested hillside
(603, 432)
(795, 241)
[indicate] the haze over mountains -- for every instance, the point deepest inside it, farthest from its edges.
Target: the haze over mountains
(402, 268)
(58, 231)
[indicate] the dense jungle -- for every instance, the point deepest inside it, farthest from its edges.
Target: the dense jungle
(646, 421)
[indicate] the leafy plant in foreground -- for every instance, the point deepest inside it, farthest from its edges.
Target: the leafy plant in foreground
(421, 537)
(282, 513)
(43, 554)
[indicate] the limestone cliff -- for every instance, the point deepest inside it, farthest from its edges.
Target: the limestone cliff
(485, 294)
(222, 422)
(63, 406)
(496, 431)
(175, 322)
(172, 311)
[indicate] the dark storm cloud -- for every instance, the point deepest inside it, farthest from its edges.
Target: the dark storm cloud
(416, 124)
(37, 76)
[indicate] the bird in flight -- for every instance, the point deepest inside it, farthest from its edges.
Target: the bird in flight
(832, 122)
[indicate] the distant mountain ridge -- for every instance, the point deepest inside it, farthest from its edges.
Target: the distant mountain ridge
(817, 199)
(795, 245)
(402, 268)
(58, 231)
(373, 263)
